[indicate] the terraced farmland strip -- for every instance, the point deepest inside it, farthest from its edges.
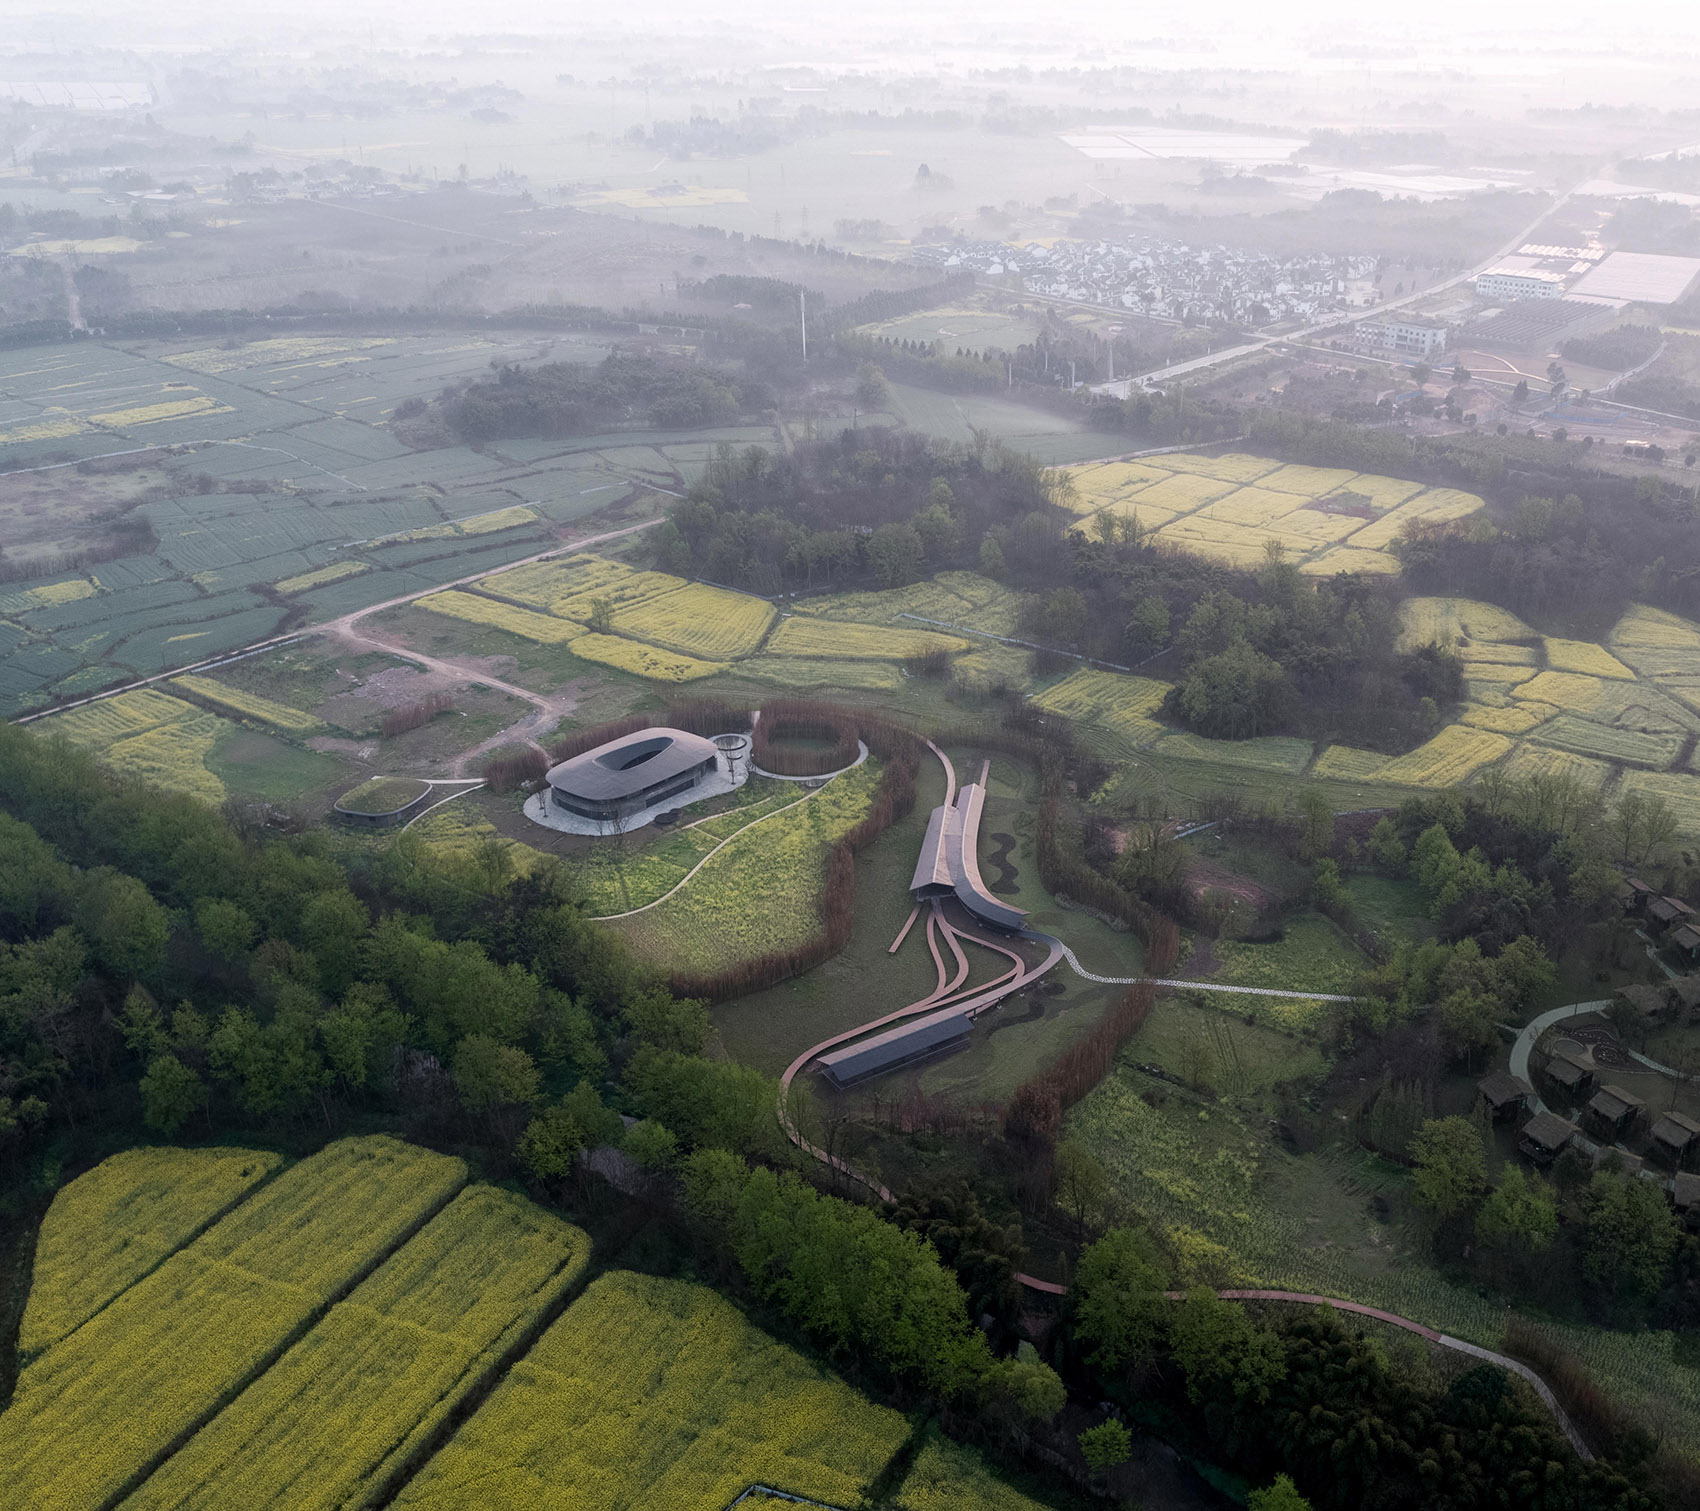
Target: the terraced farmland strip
(655, 1395)
(822, 639)
(247, 705)
(383, 1369)
(475, 608)
(1586, 657)
(1454, 755)
(643, 660)
(1423, 621)
(111, 1226)
(133, 1382)
(699, 620)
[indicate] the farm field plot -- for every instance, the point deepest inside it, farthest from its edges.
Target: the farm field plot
(384, 1367)
(150, 735)
(1528, 761)
(291, 431)
(761, 893)
(111, 1226)
(1123, 704)
(948, 1477)
(164, 1356)
(475, 608)
(1039, 432)
(643, 660)
(712, 623)
(810, 672)
(657, 1395)
(1328, 519)
(570, 587)
(245, 705)
(959, 600)
(826, 640)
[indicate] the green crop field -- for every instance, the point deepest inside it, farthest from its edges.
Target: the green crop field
(286, 475)
(206, 1332)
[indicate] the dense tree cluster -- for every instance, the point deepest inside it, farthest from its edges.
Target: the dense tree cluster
(1304, 1395)
(565, 398)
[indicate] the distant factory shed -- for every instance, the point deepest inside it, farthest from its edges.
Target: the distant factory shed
(949, 863)
(1646, 277)
(634, 772)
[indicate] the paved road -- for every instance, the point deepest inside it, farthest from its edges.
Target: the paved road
(1537, 1026)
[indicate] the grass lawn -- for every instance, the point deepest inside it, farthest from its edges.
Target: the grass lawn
(1234, 1057)
(254, 764)
(760, 893)
(1312, 955)
(1392, 906)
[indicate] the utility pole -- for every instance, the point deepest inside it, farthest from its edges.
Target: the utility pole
(803, 319)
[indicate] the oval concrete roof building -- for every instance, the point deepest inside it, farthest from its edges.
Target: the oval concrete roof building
(635, 771)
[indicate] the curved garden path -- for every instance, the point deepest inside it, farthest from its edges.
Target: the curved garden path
(1538, 1025)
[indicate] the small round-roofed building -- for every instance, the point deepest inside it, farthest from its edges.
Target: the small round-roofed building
(634, 772)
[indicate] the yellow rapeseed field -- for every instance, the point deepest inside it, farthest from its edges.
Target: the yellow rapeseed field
(279, 349)
(571, 586)
(151, 1367)
(111, 1226)
(713, 623)
(1346, 763)
(1231, 467)
(1123, 704)
(317, 578)
(964, 600)
(1430, 621)
(1454, 755)
(656, 1395)
(1680, 789)
(477, 524)
(1586, 657)
(1571, 690)
(167, 409)
(246, 705)
(148, 734)
(644, 660)
(821, 639)
(1435, 506)
(384, 1369)
(1528, 761)
(47, 596)
(950, 1477)
(1346, 559)
(44, 429)
(1518, 719)
(474, 608)
(1474, 652)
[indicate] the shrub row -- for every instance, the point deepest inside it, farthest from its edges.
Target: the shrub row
(1036, 1109)
(398, 721)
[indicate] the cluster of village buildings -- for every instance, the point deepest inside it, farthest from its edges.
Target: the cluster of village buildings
(1172, 280)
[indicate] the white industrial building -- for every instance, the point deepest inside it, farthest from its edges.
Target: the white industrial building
(1393, 337)
(1513, 279)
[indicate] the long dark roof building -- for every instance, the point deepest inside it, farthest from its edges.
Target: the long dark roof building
(949, 863)
(634, 772)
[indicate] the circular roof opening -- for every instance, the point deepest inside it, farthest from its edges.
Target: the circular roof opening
(627, 756)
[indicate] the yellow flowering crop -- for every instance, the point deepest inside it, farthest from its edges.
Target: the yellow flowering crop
(319, 576)
(474, 608)
(108, 1228)
(99, 1408)
(713, 623)
(655, 1395)
(1454, 755)
(644, 660)
(823, 639)
(1586, 657)
(949, 1477)
(383, 1369)
(246, 705)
